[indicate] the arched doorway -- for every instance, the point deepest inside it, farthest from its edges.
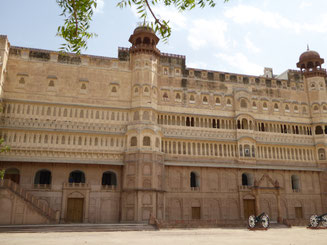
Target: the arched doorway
(75, 208)
(12, 174)
(249, 206)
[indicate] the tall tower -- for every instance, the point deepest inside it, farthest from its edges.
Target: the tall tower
(4, 53)
(315, 85)
(143, 164)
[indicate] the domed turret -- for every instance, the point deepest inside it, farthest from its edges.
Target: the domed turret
(144, 40)
(310, 63)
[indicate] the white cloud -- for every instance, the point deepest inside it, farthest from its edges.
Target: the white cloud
(244, 14)
(250, 45)
(198, 65)
(176, 19)
(241, 62)
(204, 32)
(100, 6)
(305, 4)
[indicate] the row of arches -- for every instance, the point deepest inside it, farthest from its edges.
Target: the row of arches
(57, 112)
(244, 150)
(247, 179)
(192, 99)
(44, 177)
(17, 138)
(199, 149)
(241, 123)
(273, 106)
(146, 141)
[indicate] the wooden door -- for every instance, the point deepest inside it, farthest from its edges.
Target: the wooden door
(298, 213)
(196, 213)
(249, 207)
(75, 210)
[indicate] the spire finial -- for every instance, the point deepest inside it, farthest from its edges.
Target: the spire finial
(307, 47)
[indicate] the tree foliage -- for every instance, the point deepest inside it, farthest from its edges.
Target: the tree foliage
(78, 16)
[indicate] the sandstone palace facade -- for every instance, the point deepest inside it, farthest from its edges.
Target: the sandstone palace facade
(107, 140)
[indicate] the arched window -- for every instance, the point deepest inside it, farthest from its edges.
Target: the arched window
(276, 107)
(109, 178)
(133, 141)
(316, 108)
(136, 90)
(146, 141)
(244, 104)
(194, 180)
(114, 89)
(178, 97)
(247, 179)
(205, 100)
(245, 124)
(295, 182)
(76, 176)
(51, 83)
(42, 177)
(165, 96)
(247, 151)
(192, 98)
(229, 103)
(254, 105)
(146, 90)
(217, 101)
(13, 174)
(265, 106)
(146, 115)
(304, 110)
(321, 154)
(319, 130)
(83, 86)
(296, 109)
(136, 116)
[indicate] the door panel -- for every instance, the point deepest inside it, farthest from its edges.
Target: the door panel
(249, 207)
(75, 210)
(196, 212)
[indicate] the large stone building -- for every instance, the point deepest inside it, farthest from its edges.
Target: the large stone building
(99, 140)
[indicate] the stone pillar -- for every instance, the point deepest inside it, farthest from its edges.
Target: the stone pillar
(279, 210)
(257, 203)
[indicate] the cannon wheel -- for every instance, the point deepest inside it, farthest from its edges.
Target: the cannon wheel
(314, 220)
(251, 221)
(324, 220)
(265, 221)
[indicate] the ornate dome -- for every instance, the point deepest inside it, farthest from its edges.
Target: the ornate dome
(309, 55)
(310, 60)
(144, 40)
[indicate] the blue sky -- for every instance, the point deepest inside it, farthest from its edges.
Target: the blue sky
(241, 36)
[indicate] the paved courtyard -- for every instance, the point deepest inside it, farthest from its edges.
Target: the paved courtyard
(292, 236)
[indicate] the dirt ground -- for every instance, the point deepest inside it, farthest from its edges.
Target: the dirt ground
(291, 236)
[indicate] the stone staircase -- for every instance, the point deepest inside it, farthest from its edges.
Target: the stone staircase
(42, 208)
(77, 228)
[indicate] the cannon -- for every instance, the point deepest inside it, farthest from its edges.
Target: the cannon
(315, 220)
(262, 219)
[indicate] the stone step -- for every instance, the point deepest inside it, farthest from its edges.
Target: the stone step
(76, 228)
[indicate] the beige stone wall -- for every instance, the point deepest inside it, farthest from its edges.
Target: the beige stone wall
(152, 121)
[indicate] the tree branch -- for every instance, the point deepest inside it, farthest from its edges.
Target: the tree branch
(155, 18)
(75, 16)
